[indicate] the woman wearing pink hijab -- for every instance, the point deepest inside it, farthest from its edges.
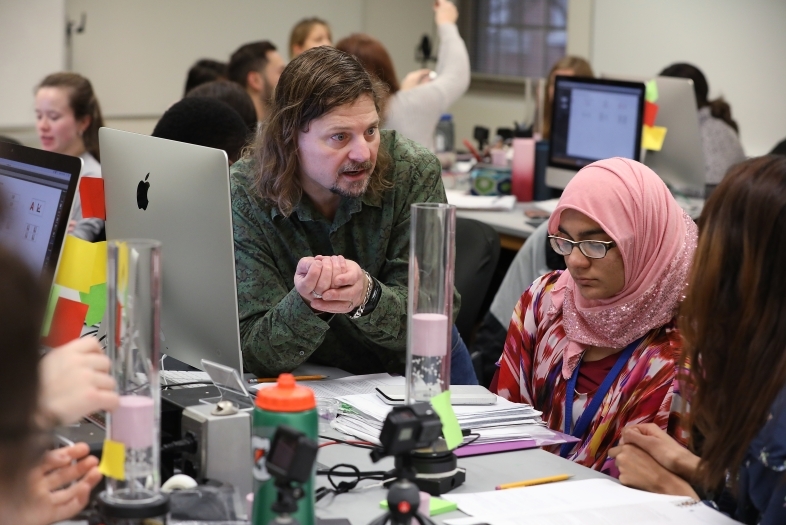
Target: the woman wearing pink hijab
(595, 347)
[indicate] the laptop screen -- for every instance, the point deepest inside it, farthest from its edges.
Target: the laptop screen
(595, 119)
(36, 208)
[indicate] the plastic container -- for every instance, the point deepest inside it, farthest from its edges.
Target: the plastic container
(443, 136)
(522, 175)
(430, 302)
(291, 404)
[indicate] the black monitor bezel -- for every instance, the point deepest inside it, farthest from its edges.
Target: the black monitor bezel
(53, 161)
(597, 81)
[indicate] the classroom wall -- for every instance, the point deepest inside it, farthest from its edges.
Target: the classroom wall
(32, 45)
(137, 53)
(738, 45)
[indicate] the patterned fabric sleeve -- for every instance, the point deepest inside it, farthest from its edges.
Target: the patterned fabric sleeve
(515, 365)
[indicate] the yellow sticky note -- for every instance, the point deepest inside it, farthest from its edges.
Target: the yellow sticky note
(99, 267)
(450, 425)
(76, 264)
(652, 137)
(113, 460)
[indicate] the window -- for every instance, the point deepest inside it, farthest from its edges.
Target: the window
(514, 38)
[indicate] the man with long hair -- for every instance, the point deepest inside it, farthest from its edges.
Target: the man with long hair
(321, 211)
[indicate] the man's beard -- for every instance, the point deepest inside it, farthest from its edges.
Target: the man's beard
(354, 188)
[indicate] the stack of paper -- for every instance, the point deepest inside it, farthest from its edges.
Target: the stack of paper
(586, 502)
(362, 415)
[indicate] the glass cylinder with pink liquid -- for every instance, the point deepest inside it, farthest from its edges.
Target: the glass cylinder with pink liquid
(133, 345)
(430, 308)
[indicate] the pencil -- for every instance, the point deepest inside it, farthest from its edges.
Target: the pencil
(536, 481)
(297, 378)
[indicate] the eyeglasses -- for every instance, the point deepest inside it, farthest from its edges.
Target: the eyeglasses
(590, 249)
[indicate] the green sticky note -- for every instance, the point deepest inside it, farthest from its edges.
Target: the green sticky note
(96, 301)
(450, 426)
(50, 310)
(435, 506)
(651, 94)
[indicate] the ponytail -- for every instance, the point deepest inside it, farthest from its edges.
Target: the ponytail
(721, 109)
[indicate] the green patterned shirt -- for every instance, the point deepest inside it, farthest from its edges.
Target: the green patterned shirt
(278, 330)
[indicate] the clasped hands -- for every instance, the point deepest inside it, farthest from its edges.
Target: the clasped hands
(649, 459)
(330, 283)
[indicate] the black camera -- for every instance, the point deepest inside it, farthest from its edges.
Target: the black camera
(291, 456)
(407, 428)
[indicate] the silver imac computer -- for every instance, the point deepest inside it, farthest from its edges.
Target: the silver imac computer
(680, 162)
(178, 194)
(592, 119)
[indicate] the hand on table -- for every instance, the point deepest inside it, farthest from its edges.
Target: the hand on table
(639, 470)
(445, 12)
(59, 486)
(75, 381)
(330, 283)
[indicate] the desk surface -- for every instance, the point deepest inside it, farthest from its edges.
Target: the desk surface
(483, 474)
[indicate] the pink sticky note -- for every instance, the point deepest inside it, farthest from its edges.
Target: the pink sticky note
(91, 193)
(67, 322)
(132, 421)
(650, 113)
(429, 335)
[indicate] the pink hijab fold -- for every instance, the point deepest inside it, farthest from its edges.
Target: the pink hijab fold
(656, 239)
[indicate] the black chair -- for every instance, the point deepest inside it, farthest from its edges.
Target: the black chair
(477, 254)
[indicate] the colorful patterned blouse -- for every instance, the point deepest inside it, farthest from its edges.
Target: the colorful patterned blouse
(646, 391)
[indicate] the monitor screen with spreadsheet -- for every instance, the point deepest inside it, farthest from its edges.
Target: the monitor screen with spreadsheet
(594, 119)
(37, 189)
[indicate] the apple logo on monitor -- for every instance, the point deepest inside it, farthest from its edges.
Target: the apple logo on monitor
(141, 193)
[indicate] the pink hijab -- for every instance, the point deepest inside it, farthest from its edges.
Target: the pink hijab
(656, 240)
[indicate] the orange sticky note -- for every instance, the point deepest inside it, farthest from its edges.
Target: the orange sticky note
(652, 137)
(91, 193)
(113, 460)
(76, 264)
(650, 113)
(67, 322)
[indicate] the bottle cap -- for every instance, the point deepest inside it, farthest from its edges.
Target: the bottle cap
(446, 116)
(286, 396)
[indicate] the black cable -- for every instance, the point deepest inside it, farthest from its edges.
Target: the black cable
(370, 446)
(477, 437)
(342, 487)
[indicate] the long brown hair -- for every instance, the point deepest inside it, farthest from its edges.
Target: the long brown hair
(733, 320)
(83, 103)
(21, 312)
(374, 57)
(313, 84)
(580, 68)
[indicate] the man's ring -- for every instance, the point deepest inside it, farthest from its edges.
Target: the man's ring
(315, 294)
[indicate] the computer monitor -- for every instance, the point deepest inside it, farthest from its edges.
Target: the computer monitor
(179, 194)
(38, 189)
(592, 119)
(680, 162)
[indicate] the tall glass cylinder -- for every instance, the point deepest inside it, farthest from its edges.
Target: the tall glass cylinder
(134, 339)
(430, 308)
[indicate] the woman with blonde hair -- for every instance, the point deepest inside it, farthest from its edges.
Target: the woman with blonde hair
(309, 33)
(567, 66)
